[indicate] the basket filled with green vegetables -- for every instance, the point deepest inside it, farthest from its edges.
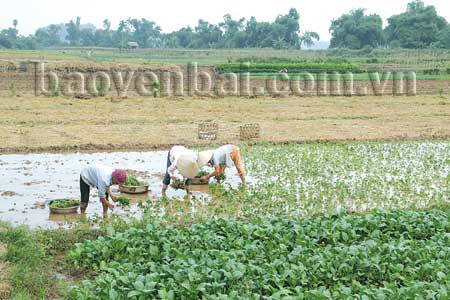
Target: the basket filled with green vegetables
(133, 186)
(63, 206)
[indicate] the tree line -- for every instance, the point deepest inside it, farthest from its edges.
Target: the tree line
(419, 26)
(283, 33)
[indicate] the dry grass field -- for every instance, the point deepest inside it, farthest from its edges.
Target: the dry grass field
(30, 124)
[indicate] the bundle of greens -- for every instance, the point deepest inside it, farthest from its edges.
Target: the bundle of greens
(220, 177)
(201, 174)
(133, 181)
(177, 184)
(65, 203)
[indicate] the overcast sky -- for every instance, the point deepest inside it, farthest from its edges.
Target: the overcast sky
(171, 15)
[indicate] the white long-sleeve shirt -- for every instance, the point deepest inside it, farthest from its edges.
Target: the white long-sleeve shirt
(174, 154)
(98, 176)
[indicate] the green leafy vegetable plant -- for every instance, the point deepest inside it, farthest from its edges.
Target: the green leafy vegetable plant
(123, 201)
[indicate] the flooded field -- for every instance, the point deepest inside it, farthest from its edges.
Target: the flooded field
(284, 180)
(30, 181)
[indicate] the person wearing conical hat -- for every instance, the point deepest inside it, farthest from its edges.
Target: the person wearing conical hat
(100, 177)
(221, 158)
(183, 161)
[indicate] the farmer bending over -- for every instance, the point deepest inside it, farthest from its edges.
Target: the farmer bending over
(184, 161)
(221, 158)
(100, 177)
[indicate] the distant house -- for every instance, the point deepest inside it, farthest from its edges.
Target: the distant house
(133, 45)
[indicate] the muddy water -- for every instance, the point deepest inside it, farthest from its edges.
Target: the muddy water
(29, 181)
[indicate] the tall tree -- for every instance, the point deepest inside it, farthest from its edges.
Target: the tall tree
(88, 37)
(73, 31)
(181, 39)
(289, 29)
(206, 35)
(8, 37)
(232, 32)
(444, 38)
(49, 37)
(309, 37)
(418, 27)
(122, 35)
(356, 30)
(15, 23)
(146, 33)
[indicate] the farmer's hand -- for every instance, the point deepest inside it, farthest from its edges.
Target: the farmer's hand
(106, 204)
(110, 205)
(113, 198)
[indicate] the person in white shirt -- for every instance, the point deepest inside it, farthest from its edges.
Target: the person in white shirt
(221, 158)
(180, 160)
(100, 177)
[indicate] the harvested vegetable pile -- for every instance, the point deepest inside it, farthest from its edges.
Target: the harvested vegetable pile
(65, 203)
(133, 181)
(201, 174)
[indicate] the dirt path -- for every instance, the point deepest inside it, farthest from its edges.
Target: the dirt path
(62, 124)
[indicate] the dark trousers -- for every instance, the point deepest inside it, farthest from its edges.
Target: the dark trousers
(84, 191)
(167, 178)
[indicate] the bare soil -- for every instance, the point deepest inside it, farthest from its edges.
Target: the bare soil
(38, 124)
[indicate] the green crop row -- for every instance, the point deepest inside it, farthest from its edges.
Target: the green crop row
(291, 68)
(383, 255)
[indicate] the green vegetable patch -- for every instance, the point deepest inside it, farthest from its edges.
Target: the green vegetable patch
(383, 255)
